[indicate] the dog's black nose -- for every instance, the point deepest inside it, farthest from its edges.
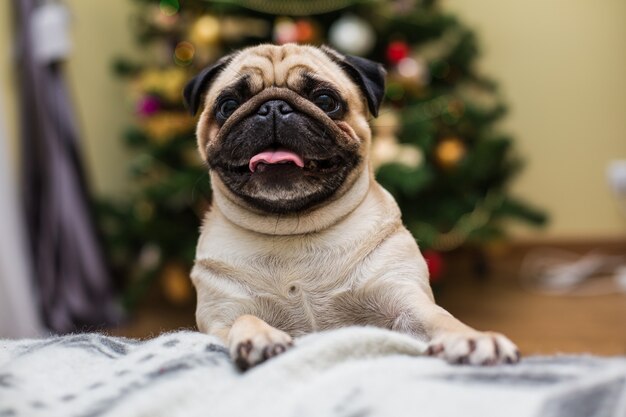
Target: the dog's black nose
(278, 107)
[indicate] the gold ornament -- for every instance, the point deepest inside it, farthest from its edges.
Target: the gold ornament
(163, 126)
(184, 53)
(205, 31)
(175, 284)
(167, 83)
(449, 152)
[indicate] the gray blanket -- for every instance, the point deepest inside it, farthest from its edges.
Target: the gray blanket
(353, 372)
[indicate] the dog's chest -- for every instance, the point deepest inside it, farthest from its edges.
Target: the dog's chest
(298, 293)
(298, 283)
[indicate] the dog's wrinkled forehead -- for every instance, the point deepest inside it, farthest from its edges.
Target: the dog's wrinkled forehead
(290, 66)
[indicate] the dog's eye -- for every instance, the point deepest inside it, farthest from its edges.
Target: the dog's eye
(326, 102)
(228, 107)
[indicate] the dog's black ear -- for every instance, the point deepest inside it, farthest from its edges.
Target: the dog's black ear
(197, 86)
(368, 75)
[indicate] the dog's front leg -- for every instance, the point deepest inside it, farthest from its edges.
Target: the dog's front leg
(454, 341)
(226, 311)
(252, 341)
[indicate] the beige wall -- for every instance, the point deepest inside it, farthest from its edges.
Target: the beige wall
(561, 64)
(100, 32)
(7, 92)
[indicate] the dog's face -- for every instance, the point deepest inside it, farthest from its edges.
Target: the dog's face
(285, 128)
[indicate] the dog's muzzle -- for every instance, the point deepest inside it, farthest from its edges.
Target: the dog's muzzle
(278, 104)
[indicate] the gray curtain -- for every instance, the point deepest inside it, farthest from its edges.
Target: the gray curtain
(19, 315)
(70, 271)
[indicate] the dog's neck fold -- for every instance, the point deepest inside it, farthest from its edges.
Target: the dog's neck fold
(319, 218)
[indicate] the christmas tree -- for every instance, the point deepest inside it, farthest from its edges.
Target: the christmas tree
(435, 147)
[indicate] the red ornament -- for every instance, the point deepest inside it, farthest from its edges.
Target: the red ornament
(305, 32)
(434, 260)
(396, 51)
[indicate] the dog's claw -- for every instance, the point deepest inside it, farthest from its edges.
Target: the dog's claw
(471, 344)
(244, 348)
(273, 350)
(475, 349)
(434, 350)
(260, 348)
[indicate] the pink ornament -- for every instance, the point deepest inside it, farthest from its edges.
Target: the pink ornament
(148, 105)
(285, 31)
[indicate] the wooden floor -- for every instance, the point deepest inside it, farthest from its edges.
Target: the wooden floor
(542, 324)
(539, 324)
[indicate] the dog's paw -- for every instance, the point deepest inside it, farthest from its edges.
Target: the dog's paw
(480, 348)
(259, 347)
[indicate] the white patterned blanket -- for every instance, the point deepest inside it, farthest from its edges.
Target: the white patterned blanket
(353, 372)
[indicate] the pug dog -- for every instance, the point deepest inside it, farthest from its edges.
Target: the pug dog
(300, 236)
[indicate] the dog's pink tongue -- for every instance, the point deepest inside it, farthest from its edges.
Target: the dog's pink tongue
(275, 156)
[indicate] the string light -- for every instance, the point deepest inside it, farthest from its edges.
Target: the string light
(183, 53)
